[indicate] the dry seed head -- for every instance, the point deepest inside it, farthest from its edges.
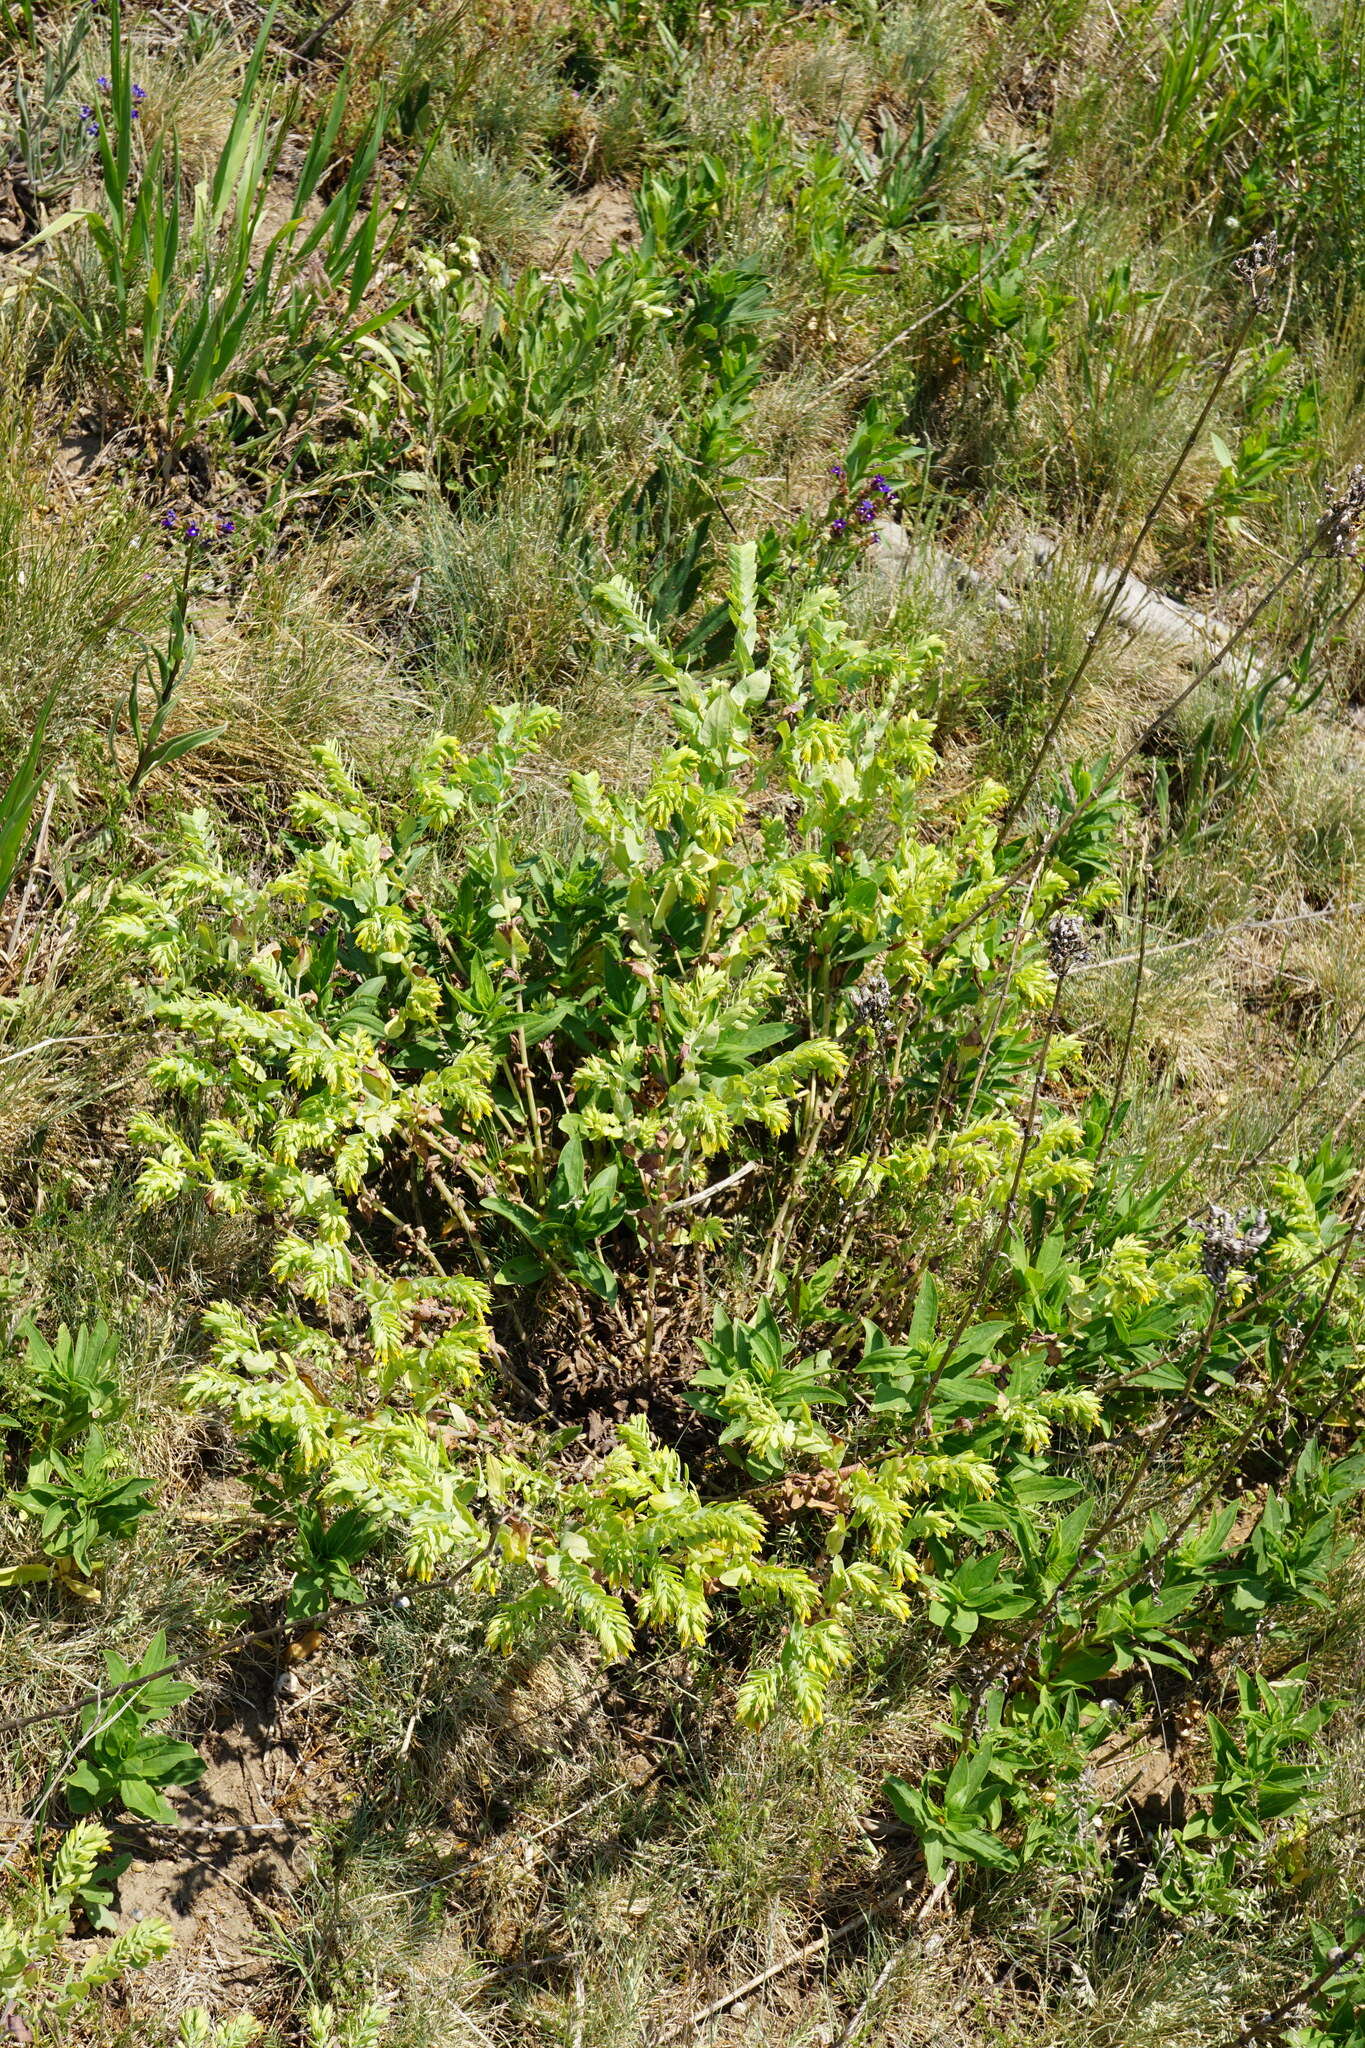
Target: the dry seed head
(1068, 942)
(870, 1000)
(1337, 527)
(1230, 1240)
(1258, 266)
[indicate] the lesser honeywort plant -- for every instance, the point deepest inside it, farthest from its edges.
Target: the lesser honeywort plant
(552, 1058)
(531, 1078)
(39, 1981)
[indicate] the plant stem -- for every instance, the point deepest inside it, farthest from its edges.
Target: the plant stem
(1154, 510)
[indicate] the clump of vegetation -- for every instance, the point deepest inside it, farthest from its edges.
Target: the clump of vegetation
(681, 1032)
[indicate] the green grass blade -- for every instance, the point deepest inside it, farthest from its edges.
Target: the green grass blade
(16, 804)
(245, 118)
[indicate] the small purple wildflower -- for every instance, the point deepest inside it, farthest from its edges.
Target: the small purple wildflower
(192, 530)
(86, 113)
(227, 526)
(139, 92)
(92, 127)
(103, 84)
(169, 518)
(879, 483)
(837, 469)
(137, 113)
(865, 510)
(838, 525)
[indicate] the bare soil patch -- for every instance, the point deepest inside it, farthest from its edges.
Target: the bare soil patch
(239, 1855)
(602, 219)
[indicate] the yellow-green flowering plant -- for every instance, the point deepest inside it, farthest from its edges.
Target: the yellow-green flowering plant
(468, 1088)
(43, 1983)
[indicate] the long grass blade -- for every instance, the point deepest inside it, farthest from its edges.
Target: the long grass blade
(17, 802)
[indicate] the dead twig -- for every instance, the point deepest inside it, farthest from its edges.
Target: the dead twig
(717, 1187)
(859, 2019)
(812, 1949)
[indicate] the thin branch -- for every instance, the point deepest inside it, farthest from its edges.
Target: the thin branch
(1082, 667)
(807, 1954)
(1268, 2024)
(1002, 251)
(717, 1187)
(1210, 938)
(43, 1045)
(859, 2019)
(1131, 1029)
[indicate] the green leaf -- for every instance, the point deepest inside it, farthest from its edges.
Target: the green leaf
(538, 1024)
(187, 742)
(533, 1229)
(84, 1788)
(978, 1342)
(593, 1270)
(307, 1596)
(141, 1798)
(967, 1777)
(924, 1320)
(907, 1802)
(602, 1208)
(521, 1271)
(974, 1845)
(571, 1170)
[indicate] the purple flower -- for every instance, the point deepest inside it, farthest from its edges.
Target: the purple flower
(169, 518)
(103, 84)
(866, 510)
(837, 469)
(92, 127)
(879, 483)
(838, 525)
(137, 114)
(86, 112)
(192, 530)
(227, 526)
(139, 92)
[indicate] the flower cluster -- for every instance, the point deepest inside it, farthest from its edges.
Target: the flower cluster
(90, 115)
(193, 529)
(856, 507)
(442, 272)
